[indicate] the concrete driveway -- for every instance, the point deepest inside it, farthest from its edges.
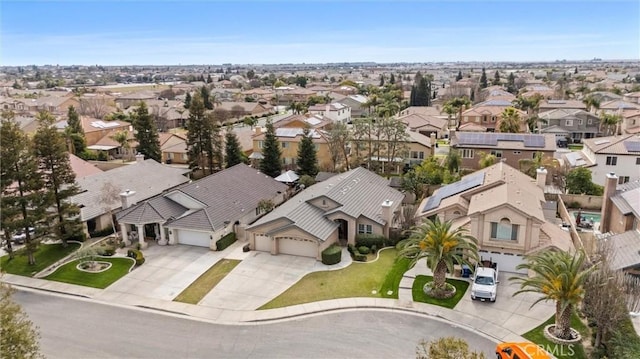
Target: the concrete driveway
(167, 271)
(260, 277)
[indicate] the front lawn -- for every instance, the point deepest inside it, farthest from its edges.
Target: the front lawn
(68, 273)
(420, 296)
(393, 278)
(206, 282)
(45, 255)
(356, 280)
(536, 335)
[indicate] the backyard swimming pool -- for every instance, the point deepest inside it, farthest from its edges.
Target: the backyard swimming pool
(588, 220)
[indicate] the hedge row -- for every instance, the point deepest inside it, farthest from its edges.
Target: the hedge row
(226, 241)
(107, 250)
(355, 253)
(101, 233)
(137, 255)
(369, 240)
(332, 255)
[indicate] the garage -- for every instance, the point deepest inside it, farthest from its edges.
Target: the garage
(507, 262)
(297, 246)
(263, 243)
(193, 238)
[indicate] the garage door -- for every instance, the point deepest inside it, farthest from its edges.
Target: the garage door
(193, 238)
(297, 247)
(263, 243)
(506, 262)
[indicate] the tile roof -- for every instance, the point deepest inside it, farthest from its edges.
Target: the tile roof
(358, 192)
(516, 141)
(81, 167)
(627, 198)
(611, 144)
(417, 121)
(626, 249)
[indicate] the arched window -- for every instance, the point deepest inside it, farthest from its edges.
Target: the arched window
(504, 230)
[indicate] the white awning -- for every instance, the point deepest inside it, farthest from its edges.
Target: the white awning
(287, 177)
(256, 156)
(101, 147)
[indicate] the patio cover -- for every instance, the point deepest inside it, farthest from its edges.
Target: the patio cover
(287, 177)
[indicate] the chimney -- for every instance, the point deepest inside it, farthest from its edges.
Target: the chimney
(387, 215)
(139, 158)
(541, 177)
(258, 130)
(432, 136)
(452, 134)
(610, 185)
(128, 198)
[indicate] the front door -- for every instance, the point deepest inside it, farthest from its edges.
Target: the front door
(343, 231)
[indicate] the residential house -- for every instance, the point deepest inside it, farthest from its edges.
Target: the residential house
(620, 223)
(337, 112)
(260, 94)
(633, 97)
(241, 109)
(288, 94)
(201, 212)
(94, 129)
(82, 168)
(630, 121)
(12, 104)
(619, 154)
(147, 178)
(57, 105)
(496, 93)
(346, 90)
(570, 123)
(425, 124)
(356, 103)
(487, 114)
(548, 105)
(605, 96)
(303, 120)
(618, 107)
(134, 98)
(173, 148)
(289, 139)
(503, 209)
(333, 211)
(537, 90)
(421, 110)
(507, 147)
(167, 114)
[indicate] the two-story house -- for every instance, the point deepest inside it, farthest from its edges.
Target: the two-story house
(333, 211)
(487, 114)
(569, 123)
(336, 112)
(289, 139)
(425, 124)
(619, 154)
(507, 147)
(503, 209)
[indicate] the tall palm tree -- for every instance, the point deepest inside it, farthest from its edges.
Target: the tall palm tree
(529, 166)
(591, 103)
(558, 276)
(450, 111)
(374, 101)
(122, 137)
(510, 121)
(459, 104)
(609, 123)
(442, 247)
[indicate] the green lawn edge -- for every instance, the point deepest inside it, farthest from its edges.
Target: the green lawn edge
(68, 273)
(197, 290)
(575, 351)
(420, 296)
(393, 278)
(45, 256)
(359, 279)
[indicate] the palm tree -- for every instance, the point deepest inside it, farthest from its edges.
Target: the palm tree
(122, 137)
(509, 120)
(558, 276)
(459, 104)
(450, 111)
(529, 166)
(609, 123)
(591, 102)
(442, 247)
(373, 101)
(297, 108)
(487, 159)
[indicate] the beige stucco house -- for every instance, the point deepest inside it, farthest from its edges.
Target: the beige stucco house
(333, 211)
(504, 209)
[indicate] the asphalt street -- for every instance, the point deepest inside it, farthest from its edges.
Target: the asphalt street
(77, 328)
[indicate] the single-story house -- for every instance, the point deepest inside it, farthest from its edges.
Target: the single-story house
(333, 211)
(201, 212)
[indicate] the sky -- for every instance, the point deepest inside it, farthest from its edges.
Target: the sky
(270, 32)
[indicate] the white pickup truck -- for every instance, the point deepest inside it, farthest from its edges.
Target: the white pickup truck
(485, 281)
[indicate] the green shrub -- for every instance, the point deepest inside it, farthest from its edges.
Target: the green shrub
(364, 250)
(102, 156)
(574, 204)
(81, 237)
(101, 233)
(332, 255)
(359, 257)
(225, 241)
(107, 250)
(368, 240)
(351, 248)
(374, 248)
(137, 255)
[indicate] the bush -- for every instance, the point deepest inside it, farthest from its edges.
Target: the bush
(81, 237)
(137, 255)
(108, 250)
(332, 255)
(364, 250)
(374, 248)
(360, 257)
(225, 241)
(368, 240)
(351, 248)
(101, 233)
(574, 204)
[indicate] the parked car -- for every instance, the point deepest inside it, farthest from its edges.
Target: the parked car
(485, 281)
(21, 236)
(521, 351)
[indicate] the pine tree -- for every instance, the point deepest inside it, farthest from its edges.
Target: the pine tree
(392, 79)
(209, 79)
(496, 78)
(18, 336)
(197, 133)
(233, 153)
(59, 180)
(307, 159)
(215, 152)
(459, 77)
(205, 94)
(187, 100)
(381, 80)
(511, 84)
(22, 202)
(74, 131)
(483, 79)
(271, 164)
(146, 133)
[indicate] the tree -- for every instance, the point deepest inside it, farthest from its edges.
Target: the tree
(510, 121)
(486, 159)
(122, 137)
(511, 84)
(559, 276)
(199, 134)
(271, 164)
(392, 79)
(205, 94)
(442, 247)
(591, 102)
(457, 105)
(421, 91)
(23, 196)
(297, 108)
(609, 123)
(96, 107)
(338, 138)
(496, 79)
(483, 79)
(59, 180)
(146, 133)
(459, 76)
(301, 81)
(251, 74)
(579, 182)
(187, 100)
(109, 196)
(74, 131)
(307, 159)
(233, 153)
(453, 160)
(446, 348)
(381, 80)
(18, 335)
(530, 166)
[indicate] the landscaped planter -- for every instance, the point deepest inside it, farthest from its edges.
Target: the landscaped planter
(93, 266)
(449, 293)
(575, 336)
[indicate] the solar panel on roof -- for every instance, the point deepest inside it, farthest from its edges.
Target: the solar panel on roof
(467, 183)
(632, 146)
